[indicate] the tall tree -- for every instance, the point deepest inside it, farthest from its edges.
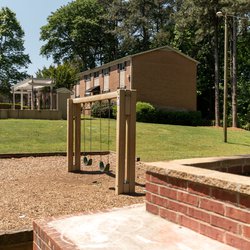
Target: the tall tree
(64, 75)
(236, 11)
(12, 56)
(140, 25)
(234, 74)
(77, 30)
(243, 76)
(199, 17)
(163, 21)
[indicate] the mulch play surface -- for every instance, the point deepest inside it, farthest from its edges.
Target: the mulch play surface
(38, 187)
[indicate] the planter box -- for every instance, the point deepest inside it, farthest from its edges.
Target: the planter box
(204, 195)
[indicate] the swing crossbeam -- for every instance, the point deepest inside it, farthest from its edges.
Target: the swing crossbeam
(125, 136)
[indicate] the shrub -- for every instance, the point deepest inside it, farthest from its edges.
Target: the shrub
(114, 110)
(187, 118)
(9, 106)
(102, 109)
(145, 112)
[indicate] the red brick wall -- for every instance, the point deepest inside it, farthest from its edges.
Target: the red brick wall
(217, 213)
(113, 79)
(165, 79)
(47, 238)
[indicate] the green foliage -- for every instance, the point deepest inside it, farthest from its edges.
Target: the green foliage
(102, 109)
(12, 57)
(10, 105)
(187, 118)
(64, 75)
(145, 112)
(139, 25)
(77, 30)
(94, 32)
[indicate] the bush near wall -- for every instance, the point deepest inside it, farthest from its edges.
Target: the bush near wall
(9, 106)
(146, 112)
(187, 118)
(103, 109)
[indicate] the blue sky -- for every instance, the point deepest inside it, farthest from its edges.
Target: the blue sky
(32, 14)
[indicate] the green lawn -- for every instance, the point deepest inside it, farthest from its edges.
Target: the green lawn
(154, 142)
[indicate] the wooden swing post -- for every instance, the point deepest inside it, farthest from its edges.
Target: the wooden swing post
(125, 136)
(125, 141)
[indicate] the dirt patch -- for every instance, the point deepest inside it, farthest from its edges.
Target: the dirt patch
(229, 128)
(39, 187)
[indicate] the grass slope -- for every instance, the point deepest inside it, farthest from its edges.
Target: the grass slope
(154, 142)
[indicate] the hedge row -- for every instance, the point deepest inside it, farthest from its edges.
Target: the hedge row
(145, 112)
(103, 109)
(9, 106)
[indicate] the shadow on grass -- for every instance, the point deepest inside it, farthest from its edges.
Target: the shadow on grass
(240, 144)
(87, 118)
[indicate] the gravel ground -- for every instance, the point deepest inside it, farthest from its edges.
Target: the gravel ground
(38, 187)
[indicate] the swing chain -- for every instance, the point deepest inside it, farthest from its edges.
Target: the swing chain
(86, 161)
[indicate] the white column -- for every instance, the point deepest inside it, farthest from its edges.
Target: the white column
(21, 99)
(51, 98)
(32, 99)
(57, 101)
(14, 100)
(38, 100)
(28, 93)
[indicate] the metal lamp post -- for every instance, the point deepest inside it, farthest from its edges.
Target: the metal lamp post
(220, 14)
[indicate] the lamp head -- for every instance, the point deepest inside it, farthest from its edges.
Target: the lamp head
(219, 14)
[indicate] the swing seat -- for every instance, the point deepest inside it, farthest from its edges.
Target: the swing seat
(89, 162)
(107, 167)
(101, 166)
(85, 160)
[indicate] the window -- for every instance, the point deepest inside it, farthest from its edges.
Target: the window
(96, 74)
(106, 80)
(87, 79)
(105, 71)
(96, 78)
(122, 66)
(87, 85)
(77, 90)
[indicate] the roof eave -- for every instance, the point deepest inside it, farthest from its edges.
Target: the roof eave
(106, 65)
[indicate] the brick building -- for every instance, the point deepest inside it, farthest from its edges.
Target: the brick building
(164, 77)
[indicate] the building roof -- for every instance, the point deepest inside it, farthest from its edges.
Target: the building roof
(64, 91)
(32, 83)
(126, 58)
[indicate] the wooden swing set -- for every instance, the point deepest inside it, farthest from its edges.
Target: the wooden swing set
(125, 136)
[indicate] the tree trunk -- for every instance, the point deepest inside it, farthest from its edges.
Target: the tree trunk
(216, 77)
(234, 76)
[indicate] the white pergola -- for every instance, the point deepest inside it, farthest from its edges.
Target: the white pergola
(29, 86)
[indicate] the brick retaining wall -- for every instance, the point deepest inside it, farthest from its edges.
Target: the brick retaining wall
(197, 198)
(30, 114)
(45, 237)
